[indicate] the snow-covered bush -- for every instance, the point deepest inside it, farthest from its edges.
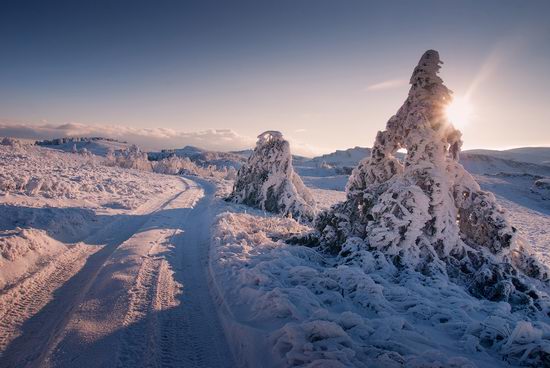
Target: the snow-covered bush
(175, 165)
(428, 213)
(268, 181)
(11, 142)
(130, 158)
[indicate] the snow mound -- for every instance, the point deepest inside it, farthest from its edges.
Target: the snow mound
(22, 249)
(428, 213)
(542, 186)
(268, 181)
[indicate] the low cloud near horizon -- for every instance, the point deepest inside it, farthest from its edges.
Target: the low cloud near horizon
(147, 139)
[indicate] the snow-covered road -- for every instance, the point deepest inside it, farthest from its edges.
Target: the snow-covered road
(141, 299)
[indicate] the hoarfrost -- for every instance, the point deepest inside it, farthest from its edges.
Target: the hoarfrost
(268, 181)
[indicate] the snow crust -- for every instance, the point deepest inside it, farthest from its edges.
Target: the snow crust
(35, 171)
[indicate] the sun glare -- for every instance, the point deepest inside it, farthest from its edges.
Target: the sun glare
(459, 112)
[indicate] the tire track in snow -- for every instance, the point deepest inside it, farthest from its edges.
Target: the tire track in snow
(154, 321)
(191, 333)
(50, 315)
(173, 325)
(34, 292)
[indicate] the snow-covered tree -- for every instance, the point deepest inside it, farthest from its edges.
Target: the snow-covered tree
(268, 181)
(171, 165)
(131, 158)
(12, 142)
(428, 213)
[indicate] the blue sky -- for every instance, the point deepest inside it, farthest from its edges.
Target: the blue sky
(329, 74)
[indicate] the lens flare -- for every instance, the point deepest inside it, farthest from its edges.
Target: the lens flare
(459, 112)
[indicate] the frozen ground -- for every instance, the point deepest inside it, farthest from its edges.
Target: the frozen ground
(102, 267)
(104, 276)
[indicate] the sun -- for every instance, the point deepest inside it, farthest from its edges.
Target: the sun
(459, 112)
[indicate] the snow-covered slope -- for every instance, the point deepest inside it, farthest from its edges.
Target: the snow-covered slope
(341, 158)
(95, 145)
(202, 157)
(487, 164)
(49, 196)
(534, 155)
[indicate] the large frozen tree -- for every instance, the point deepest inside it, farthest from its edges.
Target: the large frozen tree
(268, 181)
(428, 212)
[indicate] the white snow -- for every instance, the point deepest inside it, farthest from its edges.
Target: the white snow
(91, 265)
(409, 235)
(311, 309)
(268, 181)
(120, 261)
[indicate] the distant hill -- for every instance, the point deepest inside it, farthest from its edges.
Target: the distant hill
(96, 145)
(534, 155)
(477, 163)
(202, 157)
(342, 158)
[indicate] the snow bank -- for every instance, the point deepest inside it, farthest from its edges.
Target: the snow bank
(268, 181)
(22, 249)
(289, 305)
(542, 187)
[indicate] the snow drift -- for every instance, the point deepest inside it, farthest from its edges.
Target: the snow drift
(268, 181)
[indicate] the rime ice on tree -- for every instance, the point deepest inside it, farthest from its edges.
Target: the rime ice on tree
(428, 212)
(268, 181)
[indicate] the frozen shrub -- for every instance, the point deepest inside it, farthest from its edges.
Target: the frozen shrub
(171, 165)
(130, 158)
(11, 142)
(268, 181)
(427, 213)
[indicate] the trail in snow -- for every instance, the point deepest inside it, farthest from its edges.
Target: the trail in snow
(142, 300)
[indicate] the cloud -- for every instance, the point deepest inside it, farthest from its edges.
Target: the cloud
(388, 84)
(149, 139)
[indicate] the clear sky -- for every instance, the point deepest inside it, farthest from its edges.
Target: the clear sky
(328, 74)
